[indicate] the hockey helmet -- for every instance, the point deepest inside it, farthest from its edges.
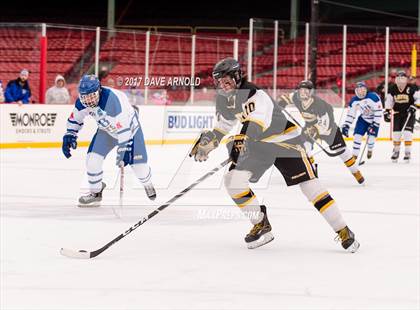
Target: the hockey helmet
(305, 90)
(228, 67)
(361, 90)
(89, 90)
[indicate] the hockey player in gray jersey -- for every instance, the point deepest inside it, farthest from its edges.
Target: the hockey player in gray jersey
(266, 138)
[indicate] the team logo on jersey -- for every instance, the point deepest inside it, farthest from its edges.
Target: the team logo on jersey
(401, 98)
(33, 119)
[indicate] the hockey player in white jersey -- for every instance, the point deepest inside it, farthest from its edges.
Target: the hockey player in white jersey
(370, 107)
(118, 125)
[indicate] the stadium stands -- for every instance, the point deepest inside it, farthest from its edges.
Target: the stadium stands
(71, 52)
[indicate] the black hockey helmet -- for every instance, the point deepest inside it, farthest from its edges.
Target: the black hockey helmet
(305, 84)
(228, 66)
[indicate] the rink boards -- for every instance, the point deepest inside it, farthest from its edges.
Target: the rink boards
(39, 125)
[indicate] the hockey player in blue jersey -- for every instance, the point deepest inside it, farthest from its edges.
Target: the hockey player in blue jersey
(370, 107)
(118, 125)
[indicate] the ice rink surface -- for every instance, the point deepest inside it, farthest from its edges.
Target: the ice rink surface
(192, 255)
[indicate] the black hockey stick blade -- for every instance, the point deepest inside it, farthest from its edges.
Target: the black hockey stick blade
(83, 254)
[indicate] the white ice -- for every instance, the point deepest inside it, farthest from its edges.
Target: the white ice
(192, 255)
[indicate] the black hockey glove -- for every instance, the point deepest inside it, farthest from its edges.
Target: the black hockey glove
(387, 115)
(312, 132)
(237, 146)
(412, 109)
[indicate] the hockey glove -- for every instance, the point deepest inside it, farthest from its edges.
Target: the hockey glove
(69, 142)
(373, 130)
(204, 145)
(412, 109)
(345, 130)
(312, 132)
(387, 115)
(237, 146)
(125, 154)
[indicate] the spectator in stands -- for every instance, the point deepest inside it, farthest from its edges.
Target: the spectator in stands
(1, 93)
(58, 94)
(18, 91)
(110, 83)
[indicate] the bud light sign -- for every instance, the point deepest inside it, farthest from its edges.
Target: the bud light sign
(181, 121)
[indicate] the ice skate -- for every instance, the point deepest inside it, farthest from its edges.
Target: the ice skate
(260, 234)
(395, 155)
(369, 154)
(359, 177)
(407, 157)
(348, 241)
(91, 199)
(150, 191)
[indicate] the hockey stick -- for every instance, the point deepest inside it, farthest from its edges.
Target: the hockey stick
(361, 162)
(331, 154)
(121, 190)
(86, 255)
(120, 201)
(406, 121)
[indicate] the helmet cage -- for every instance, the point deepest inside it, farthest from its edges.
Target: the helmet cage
(360, 91)
(90, 100)
(305, 93)
(218, 78)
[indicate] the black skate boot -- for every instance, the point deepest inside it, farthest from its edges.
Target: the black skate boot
(91, 199)
(395, 155)
(407, 157)
(369, 154)
(260, 234)
(150, 191)
(348, 242)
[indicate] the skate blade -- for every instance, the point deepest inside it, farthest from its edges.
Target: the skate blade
(406, 161)
(395, 161)
(94, 204)
(266, 238)
(353, 247)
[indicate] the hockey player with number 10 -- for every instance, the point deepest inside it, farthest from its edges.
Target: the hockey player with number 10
(118, 125)
(266, 138)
